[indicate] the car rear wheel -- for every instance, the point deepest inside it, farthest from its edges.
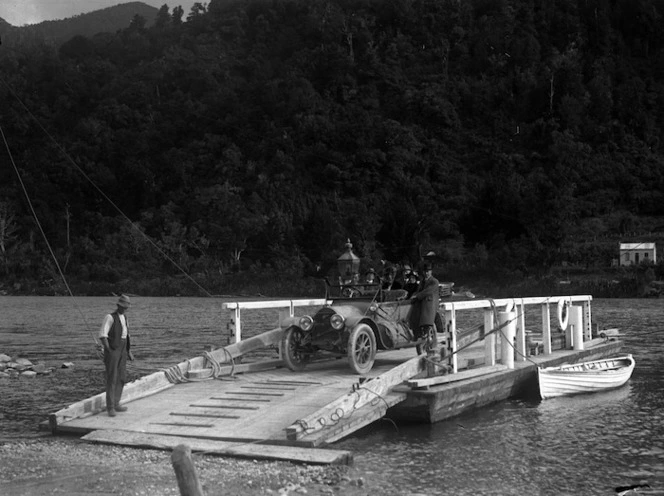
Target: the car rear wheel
(361, 349)
(292, 349)
(426, 345)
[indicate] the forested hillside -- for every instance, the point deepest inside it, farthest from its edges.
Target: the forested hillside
(249, 142)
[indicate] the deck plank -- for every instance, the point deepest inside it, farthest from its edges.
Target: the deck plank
(212, 447)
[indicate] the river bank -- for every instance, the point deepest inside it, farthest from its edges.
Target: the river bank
(66, 465)
(614, 282)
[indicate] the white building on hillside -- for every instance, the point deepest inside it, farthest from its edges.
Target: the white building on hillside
(635, 253)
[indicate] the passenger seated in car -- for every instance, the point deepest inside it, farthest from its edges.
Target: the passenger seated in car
(370, 284)
(388, 279)
(411, 283)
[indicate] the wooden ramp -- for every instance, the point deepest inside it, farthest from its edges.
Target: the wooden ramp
(268, 414)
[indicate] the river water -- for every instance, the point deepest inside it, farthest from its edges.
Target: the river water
(587, 444)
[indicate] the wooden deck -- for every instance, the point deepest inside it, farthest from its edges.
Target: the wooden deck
(240, 414)
(275, 413)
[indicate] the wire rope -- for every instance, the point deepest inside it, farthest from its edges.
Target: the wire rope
(99, 190)
(41, 230)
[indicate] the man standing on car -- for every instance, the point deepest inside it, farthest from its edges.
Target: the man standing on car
(428, 298)
(115, 340)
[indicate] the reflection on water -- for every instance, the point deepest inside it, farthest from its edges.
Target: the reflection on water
(586, 444)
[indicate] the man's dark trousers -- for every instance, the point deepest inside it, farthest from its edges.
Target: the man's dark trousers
(115, 362)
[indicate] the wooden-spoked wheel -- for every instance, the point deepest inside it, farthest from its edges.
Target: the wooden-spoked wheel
(425, 345)
(293, 343)
(361, 349)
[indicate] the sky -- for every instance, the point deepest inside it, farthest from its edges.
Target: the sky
(21, 12)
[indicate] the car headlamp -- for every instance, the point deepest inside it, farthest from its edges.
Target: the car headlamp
(306, 323)
(337, 322)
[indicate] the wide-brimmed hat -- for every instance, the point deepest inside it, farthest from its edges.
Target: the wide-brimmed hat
(124, 301)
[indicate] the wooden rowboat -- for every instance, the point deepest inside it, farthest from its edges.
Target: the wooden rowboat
(586, 377)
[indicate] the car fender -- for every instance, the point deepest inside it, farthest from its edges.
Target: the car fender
(288, 321)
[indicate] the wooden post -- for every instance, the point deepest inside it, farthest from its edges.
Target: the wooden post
(238, 325)
(508, 333)
(453, 343)
(576, 327)
(520, 310)
(546, 328)
(185, 472)
(587, 321)
(490, 340)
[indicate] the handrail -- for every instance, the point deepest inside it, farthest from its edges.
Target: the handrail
(236, 323)
(516, 305)
(501, 302)
(450, 309)
(232, 305)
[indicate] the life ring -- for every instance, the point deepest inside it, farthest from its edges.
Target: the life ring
(563, 312)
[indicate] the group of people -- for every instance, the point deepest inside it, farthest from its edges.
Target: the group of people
(393, 278)
(425, 292)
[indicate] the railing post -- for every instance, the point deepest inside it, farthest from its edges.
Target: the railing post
(489, 339)
(520, 309)
(507, 333)
(575, 327)
(238, 325)
(452, 344)
(546, 328)
(587, 321)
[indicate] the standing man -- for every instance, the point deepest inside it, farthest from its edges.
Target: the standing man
(114, 337)
(428, 298)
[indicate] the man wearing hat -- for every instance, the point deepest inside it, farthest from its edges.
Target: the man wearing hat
(115, 339)
(427, 297)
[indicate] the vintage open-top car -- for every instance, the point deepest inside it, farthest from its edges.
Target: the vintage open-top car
(357, 326)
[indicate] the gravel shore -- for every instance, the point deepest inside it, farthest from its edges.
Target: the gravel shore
(64, 465)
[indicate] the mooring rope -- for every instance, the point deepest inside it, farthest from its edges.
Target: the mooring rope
(175, 375)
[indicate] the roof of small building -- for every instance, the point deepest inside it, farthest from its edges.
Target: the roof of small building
(637, 246)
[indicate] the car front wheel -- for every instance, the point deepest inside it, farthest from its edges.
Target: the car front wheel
(361, 349)
(292, 349)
